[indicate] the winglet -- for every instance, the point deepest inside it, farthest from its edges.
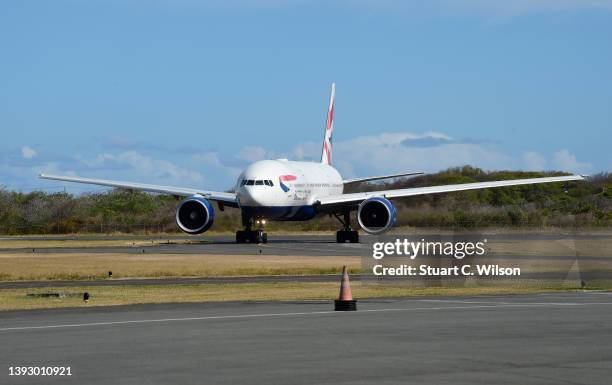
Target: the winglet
(326, 153)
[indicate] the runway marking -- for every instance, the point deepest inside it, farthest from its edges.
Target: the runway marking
(510, 302)
(458, 301)
(244, 316)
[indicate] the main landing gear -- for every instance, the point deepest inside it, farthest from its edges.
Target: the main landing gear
(346, 234)
(252, 236)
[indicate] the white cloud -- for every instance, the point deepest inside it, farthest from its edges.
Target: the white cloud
(357, 157)
(534, 161)
(252, 153)
(142, 166)
(389, 152)
(307, 151)
(28, 152)
(312, 150)
(393, 152)
(211, 160)
(430, 152)
(565, 161)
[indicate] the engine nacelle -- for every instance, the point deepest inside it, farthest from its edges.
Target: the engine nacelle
(195, 215)
(376, 215)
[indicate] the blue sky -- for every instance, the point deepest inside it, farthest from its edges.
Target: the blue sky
(187, 92)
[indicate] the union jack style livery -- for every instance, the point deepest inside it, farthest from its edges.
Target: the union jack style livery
(285, 178)
(326, 154)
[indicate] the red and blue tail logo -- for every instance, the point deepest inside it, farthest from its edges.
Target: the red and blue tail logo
(326, 154)
(285, 178)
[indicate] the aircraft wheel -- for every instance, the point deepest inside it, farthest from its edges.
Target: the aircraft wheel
(259, 237)
(351, 236)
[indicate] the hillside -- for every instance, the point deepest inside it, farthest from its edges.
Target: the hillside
(573, 204)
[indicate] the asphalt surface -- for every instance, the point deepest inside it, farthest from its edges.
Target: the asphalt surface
(517, 235)
(295, 245)
(291, 245)
(311, 245)
(528, 339)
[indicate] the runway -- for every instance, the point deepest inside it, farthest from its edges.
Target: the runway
(527, 339)
(311, 245)
(509, 236)
(281, 245)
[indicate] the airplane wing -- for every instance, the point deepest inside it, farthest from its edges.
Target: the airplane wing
(223, 197)
(356, 198)
(357, 180)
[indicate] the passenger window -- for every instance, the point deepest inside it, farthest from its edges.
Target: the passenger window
(250, 182)
(259, 182)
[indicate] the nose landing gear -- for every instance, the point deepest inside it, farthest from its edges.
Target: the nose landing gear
(252, 236)
(346, 234)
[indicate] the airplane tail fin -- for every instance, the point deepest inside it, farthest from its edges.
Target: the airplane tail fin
(326, 153)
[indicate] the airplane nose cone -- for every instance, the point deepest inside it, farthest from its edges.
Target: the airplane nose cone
(254, 196)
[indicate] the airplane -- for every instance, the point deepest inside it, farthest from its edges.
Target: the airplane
(284, 190)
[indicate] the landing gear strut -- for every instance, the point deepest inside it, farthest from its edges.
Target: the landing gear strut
(251, 236)
(346, 234)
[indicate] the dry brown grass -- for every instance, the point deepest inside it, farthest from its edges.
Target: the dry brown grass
(53, 266)
(559, 247)
(11, 299)
(49, 242)
(548, 264)
(34, 266)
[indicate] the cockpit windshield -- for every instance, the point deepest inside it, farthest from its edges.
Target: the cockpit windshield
(252, 182)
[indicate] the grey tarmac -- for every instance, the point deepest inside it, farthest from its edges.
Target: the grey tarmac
(519, 339)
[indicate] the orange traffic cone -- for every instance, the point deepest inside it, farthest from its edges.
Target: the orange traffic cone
(345, 302)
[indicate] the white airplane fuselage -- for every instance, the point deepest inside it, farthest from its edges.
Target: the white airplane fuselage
(285, 190)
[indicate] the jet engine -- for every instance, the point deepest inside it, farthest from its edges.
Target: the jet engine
(195, 215)
(376, 215)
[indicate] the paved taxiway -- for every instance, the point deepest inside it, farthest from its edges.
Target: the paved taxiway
(527, 339)
(294, 245)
